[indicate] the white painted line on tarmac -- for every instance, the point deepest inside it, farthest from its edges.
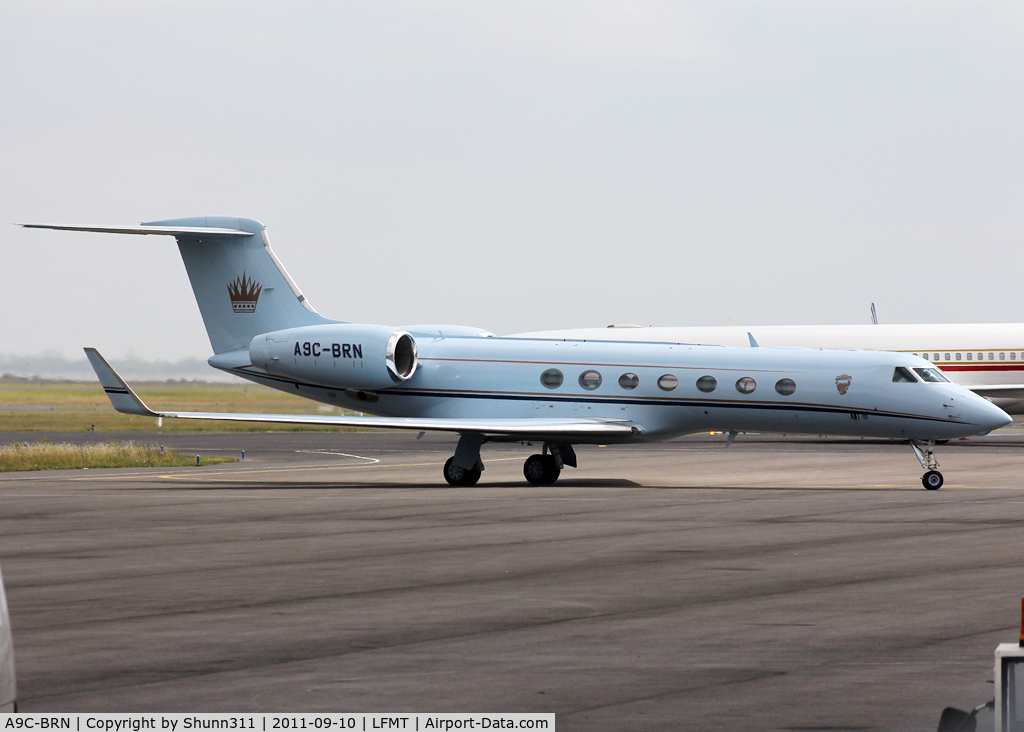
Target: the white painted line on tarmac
(342, 454)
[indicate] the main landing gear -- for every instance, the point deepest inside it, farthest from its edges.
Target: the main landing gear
(465, 466)
(545, 468)
(460, 476)
(541, 469)
(932, 479)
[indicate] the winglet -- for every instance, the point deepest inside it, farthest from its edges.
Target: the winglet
(121, 395)
(753, 343)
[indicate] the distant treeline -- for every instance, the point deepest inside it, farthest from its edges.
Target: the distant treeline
(54, 366)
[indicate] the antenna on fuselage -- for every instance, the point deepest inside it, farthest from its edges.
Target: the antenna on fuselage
(874, 315)
(753, 343)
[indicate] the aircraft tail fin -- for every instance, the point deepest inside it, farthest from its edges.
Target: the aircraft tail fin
(240, 285)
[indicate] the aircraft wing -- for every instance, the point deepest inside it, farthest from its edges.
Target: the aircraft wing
(125, 400)
(999, 391)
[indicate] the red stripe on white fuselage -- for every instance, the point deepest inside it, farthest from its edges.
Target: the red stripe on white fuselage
(969, 367)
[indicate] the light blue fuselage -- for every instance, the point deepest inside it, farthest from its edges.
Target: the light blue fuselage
(836, 392)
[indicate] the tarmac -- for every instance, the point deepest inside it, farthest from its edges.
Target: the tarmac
(778, 584)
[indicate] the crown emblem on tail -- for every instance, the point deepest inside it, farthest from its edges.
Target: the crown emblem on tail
(244, 292)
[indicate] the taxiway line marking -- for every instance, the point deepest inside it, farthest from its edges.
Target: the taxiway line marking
(342, 454)
(212, 476)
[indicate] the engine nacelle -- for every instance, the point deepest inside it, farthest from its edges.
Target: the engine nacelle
(343, 356)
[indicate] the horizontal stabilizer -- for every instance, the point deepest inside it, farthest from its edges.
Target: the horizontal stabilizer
(183, 231)
(125, 400)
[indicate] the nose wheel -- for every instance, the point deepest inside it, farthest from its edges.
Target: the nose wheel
(931, 480)
(460, 476)
(541, 469)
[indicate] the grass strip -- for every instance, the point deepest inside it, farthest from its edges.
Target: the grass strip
(110, 420)
(48, 455)
(51, 406)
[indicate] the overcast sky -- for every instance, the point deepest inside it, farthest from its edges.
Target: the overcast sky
(515, 165)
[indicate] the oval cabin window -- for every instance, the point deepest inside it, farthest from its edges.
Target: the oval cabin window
(629, 381)
(668, 382)
(746, 385)
(785, 386)
(707, 384)
(590, 380)
(552, 378)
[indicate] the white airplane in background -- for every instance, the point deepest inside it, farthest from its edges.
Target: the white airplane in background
(987, 358)
(558, 392)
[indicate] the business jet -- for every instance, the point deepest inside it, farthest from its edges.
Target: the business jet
(555, 391)
(987, 358)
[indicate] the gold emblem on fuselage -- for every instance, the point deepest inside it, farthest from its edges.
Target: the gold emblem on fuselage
(843, 383)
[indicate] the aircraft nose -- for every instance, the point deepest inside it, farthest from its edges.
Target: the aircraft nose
(988, 416)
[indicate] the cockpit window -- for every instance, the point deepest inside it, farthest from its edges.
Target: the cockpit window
(933, 376)
(903, 376)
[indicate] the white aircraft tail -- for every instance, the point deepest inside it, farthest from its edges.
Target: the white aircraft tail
(240, 285)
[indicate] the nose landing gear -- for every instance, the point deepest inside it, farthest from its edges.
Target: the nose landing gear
(931, 480)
